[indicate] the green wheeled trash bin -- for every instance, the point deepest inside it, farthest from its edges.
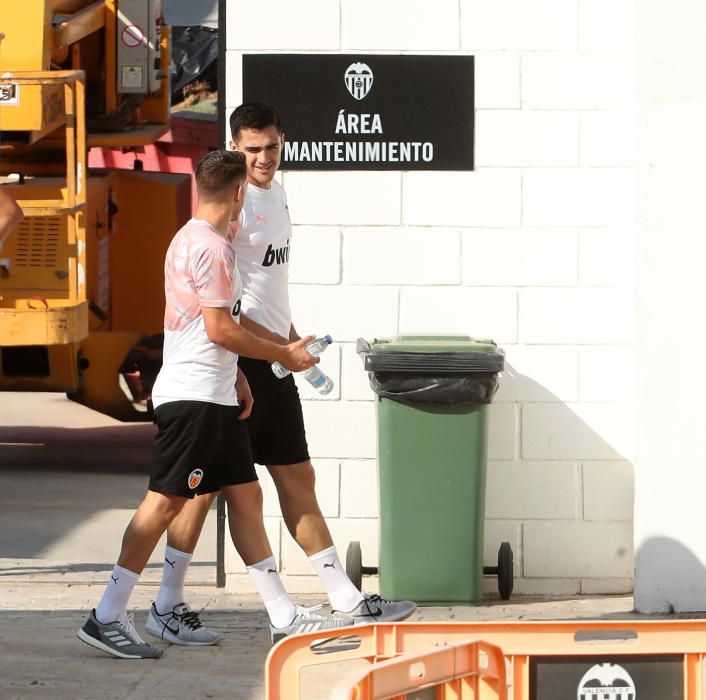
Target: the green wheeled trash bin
(432, 419)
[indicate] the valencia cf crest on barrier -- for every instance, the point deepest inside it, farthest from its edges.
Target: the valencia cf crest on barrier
(359, 80)
(606, 680)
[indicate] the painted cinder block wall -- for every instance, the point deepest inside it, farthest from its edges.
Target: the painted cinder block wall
(535, 248)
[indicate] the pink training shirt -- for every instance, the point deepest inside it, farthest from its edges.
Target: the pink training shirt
(199, 271)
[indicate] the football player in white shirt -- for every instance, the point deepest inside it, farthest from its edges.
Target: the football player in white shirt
(201, 399)
(276, 425)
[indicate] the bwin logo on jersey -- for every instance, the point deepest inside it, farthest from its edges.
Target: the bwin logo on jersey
(606, 682)
(359, 79)
(278, 255)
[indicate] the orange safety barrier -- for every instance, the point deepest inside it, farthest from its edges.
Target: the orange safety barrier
(586, 660)
(462, 671)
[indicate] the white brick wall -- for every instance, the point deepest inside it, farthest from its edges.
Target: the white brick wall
(481, 198)
(579, 197)
(608, 139)
(539, 373)
(607, 374)
(578, 80)
(519, 257)
(316, 255)
(512, 138)
(480, 312)
(516, 491)
(275, 25)
(578, 549)
(577, 315)
(583, 431)
(607, 25)
(518, 25)
(607, 490)
(607, 258)
(317, 198)
(402, 256)
(535, 248)
(345, 313)
(497, 78)
(368, 25)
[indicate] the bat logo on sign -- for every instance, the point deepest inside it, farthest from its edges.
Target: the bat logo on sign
(359, 80)
(608, 681)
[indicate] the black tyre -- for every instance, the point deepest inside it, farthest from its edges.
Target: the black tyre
(354, 564)
(505, 574)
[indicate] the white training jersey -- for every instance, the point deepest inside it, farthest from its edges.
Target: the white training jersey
(199, 270)
(262, 251)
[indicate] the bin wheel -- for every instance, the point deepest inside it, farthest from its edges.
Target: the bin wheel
(354, 564)
(505, 574)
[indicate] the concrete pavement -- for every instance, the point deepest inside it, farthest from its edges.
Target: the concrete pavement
(69, 481)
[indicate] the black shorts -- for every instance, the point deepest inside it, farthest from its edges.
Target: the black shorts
(276, 424)
(199, 448)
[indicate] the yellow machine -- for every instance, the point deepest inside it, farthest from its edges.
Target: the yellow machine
(81, 278)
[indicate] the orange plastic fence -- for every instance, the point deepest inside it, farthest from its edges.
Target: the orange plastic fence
(522, 644)
(461, 671)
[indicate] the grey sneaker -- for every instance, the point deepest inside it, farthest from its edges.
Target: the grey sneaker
(306, 620)
(118, 638)
(373, 608)
(179, 626)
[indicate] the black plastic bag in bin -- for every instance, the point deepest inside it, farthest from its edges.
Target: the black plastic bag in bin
(436, 392)
(451, 380)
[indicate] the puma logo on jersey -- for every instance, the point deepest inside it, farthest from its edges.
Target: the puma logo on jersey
(278, 255)
(332, 565)
(236, 308)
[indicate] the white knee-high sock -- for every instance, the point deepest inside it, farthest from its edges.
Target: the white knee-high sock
(171, 592)
(342, 594)
(280, 607)
(117, 593)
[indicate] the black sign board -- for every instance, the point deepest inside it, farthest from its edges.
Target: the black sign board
(644, 677)
(368, 112)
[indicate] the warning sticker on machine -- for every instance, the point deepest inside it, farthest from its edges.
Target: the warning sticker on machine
(132, 77)
(9, 94)
(132, 36)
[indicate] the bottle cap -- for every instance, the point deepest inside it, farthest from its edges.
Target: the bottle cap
(328, 339)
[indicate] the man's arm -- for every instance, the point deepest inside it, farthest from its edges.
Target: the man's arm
(223, 331)
(242, 391)
(10, 215)
(261, 332)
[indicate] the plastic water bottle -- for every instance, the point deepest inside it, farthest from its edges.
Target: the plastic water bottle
(320, 381)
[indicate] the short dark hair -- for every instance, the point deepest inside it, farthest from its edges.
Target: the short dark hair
(219, 170)
(253, 115)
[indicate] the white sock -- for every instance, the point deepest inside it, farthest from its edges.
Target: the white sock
(280, 607)
(117, 593)
(171, 592)
(342, 594)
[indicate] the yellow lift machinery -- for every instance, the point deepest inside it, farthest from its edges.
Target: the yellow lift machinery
(81, 278)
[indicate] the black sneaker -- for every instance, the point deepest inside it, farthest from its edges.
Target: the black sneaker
(118, 638)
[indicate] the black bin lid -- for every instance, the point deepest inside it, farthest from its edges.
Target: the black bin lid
(431, 354)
